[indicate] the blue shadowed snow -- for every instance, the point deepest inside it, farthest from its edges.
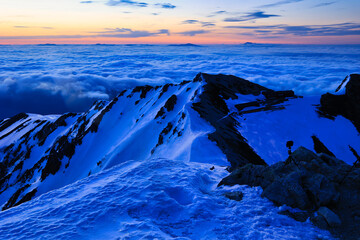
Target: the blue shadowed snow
(153, 199)
(58, 79)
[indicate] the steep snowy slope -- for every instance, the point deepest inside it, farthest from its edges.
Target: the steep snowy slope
(152, 199)
(220, 120)
(43, 153)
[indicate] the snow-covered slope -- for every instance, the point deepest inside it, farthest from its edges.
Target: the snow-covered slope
(215, 119)
(268, 131)
(152, 199)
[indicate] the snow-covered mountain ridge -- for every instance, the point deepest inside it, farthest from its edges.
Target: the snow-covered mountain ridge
(215, 119)
(152, 199)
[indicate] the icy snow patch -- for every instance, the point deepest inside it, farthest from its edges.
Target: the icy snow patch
(153, 199)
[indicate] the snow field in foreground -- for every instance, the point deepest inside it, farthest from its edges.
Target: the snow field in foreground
(152, 199)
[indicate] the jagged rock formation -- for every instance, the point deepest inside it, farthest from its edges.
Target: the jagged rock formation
(315, 183)
(212, 106)
(217, 119)
(347, 104)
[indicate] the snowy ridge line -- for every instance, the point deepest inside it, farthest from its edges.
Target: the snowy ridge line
(215, 119)
(73, 146)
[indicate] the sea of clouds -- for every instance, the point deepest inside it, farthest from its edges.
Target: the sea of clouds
(50, 79)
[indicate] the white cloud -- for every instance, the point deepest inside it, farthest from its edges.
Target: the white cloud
(56, 79)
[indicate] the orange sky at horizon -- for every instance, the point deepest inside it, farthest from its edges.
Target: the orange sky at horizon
(181, 21)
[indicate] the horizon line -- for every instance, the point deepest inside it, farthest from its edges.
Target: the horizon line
(175, 44)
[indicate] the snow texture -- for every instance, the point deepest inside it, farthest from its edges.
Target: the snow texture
(130, 130)
(153, 199)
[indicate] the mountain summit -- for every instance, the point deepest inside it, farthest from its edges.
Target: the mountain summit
(221, 120)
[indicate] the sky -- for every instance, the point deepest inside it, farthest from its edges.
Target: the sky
(179, 21)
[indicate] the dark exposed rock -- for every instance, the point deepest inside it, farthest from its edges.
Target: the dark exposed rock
(99, 104)
(164, 132)
(18, 128)
(19, 166)
(160, 113)
(183, 115)
(26, 136)
(242, 106)
(319, 147)
(313, 183)
(167, 129)
(320, 222)
(27, 197)
(95, 124)
(331, 218)
(169, 106)
(29, 173)
(278, 94)
(272, 101)
(170, 103)
(52, 166)
(122, 93)
(342, 83)
(12, 200)
(237, 196)
(184, 82)
(143, 89)
(347, 105)
(298, 216)
(164, 89)
(213, 108)
(51, 127)
(7, 123)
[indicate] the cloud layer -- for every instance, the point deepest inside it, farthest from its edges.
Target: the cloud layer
(279, 3)
(107, 33)
(57, 79)
(135, 4)
(341, 29)
(250, 16)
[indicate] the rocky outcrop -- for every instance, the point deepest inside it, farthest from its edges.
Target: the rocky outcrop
(347, 105)
(169, 106)
(212, 107)
(325, 188)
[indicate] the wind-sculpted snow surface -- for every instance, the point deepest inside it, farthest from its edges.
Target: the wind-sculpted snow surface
(153, 199)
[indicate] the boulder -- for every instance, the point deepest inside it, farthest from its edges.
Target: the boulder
(288, 191)
(331, 218)
(325, 188)
(237, 196)
(298, 216)
(320, 222)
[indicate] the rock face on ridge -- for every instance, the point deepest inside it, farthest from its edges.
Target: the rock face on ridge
(347, 105)
(212, 107)
(326, 188)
